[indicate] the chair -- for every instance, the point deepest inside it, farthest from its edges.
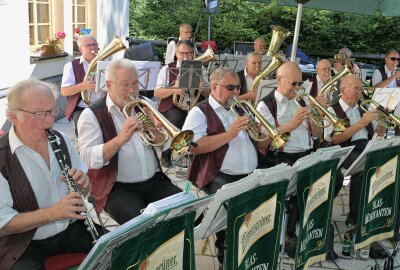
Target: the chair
(64, 261)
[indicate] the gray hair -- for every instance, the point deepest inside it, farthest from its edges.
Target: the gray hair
(14, 97)
(391, 51)
(185, 25)
(250, 54)
(82, 38)
(115, 65)
(346, 51)
(220, 73)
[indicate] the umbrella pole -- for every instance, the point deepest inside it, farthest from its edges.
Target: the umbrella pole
(296, 33)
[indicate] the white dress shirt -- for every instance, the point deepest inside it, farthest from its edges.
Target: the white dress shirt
(46, 183)
(353, 114)
(170, 53)
(377, 77)
(136, 162)
(300, 139)
(241, 157)
(68, 79)
(249, 80)
(163, 76)
(320, 83)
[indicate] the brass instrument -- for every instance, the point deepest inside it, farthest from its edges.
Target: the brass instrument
(115, 46)
(330, 88)
(180, 139)
(278, 36)
(319, 111)
(256, 132)
(207, 56)
(385, 119)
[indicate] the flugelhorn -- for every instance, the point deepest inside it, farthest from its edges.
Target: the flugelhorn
(318, 112)
(262, 132)
(115, 46)
(180, 139)
(278, 36)
(385, 119)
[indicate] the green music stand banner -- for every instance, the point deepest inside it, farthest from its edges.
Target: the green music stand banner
(254, 222)
(315, 193)
(167, 245)
(379, 197)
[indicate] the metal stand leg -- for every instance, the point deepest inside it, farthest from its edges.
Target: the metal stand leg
(283, 234)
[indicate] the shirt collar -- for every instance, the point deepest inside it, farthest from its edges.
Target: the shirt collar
(387, 71)
(280, 97)
(82, 60)
(214, 104)
(111, 105)
(14, 140)
(245, 72)
(346, 107)
(319, 79)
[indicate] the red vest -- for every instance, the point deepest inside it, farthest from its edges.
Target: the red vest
(73, 100)
(24, 199)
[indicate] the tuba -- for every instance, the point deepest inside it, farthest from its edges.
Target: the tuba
(180, 139)
(330, 88)
(207, 56)
(318, 112)
(385, 119)
(256, 132)
(115, 46)
(278, 36)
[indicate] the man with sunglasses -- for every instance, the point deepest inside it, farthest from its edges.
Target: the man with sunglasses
(225, 152)
(248, 74)
(167, 86)
(388, 76)
(38, 214)
(279, 109)
(125, 173)
(73, 78)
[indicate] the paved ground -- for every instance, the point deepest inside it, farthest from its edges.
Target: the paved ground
(204, 249)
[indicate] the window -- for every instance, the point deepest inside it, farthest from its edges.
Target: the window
(79, 14)
(39, 21)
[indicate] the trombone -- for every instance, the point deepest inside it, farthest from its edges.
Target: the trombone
(256, 132)
(318, 112)
(180, 139)
(385, 119)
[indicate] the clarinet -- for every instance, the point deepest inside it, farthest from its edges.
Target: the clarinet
(71, 183)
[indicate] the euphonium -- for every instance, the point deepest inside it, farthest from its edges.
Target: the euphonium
(329, 89)
(256, 132)
(278, 36)
(115, 46)
(180, 139)
(385, 119)
(318, 112)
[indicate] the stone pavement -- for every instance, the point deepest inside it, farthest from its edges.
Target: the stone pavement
(204, 249)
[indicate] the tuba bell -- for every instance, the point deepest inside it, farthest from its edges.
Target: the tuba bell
(180, 139)
(207, 56)
(318, 112)
(278, 36)
(115, 46)
(256, 132)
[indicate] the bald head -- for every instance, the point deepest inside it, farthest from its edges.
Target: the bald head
(324, 69)
(288, 68)
(289, 79)
(351, 89)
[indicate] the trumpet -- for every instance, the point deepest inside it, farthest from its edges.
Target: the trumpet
(318, 112)
(256, 132)
(385, 119)
(180, 139)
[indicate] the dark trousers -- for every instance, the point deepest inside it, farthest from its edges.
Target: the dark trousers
(127, 200)
(220, 180)
(74, 239)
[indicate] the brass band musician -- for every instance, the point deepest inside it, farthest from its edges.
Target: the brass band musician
(248, 74)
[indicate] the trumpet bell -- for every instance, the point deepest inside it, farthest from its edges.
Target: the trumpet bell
(279, 140)
(339, 126)
(181, 139)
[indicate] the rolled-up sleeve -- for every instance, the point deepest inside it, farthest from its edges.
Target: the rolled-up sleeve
(6, 203)
(197, 122)
(90, 140)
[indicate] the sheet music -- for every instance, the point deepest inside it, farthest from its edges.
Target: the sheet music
(387, 97)
(359, 164)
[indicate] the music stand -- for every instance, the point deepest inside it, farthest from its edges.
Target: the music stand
(387, 97)
(359, 164)
(176, 205)
(265, 87)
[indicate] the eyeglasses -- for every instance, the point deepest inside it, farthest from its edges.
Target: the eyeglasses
(395, 59)
(230, 87)
(91, 45)
(186, 53)
(42, 114)
(127, 85)
(294, 84)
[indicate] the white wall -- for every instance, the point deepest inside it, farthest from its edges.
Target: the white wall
(112, 19)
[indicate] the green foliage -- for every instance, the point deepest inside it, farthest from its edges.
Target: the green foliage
(240, 20)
